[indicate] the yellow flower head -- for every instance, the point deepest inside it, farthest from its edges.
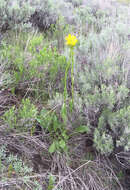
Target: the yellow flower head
(71, 40)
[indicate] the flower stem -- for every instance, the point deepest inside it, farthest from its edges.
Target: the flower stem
(65, 86)
(70, 63)
(72, 75)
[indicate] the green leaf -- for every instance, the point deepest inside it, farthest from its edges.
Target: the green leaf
(52, 147)
(82, 129)
(65, 135)
(51, 182)
(62, 144)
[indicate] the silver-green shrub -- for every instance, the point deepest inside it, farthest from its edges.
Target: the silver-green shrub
(13, 13)
(101, 79)
(24, 13)
(22, 118)
(14, 171)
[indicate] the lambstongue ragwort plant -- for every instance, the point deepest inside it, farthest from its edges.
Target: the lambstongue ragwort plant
(71, 41)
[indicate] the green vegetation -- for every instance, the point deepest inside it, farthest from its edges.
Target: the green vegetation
(65, 106)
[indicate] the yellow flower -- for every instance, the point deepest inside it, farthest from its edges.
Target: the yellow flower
(71, 40)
